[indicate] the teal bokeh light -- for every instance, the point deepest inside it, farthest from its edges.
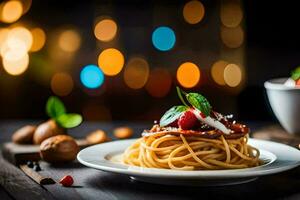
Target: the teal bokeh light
(163, 38)
(91, 76)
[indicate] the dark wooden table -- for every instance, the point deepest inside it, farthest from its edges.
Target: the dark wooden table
(94, 184)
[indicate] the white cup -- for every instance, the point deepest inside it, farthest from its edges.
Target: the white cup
(285, 103)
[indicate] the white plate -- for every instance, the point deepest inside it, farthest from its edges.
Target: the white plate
(278, 158)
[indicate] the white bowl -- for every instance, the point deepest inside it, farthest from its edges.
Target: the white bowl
(285, 103)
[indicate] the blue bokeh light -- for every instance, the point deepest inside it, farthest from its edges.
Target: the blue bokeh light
(163, 38)
(91, 76)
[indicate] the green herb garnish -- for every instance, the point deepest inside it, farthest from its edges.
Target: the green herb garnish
(200, 102)
(172, 114)
(295, 75)
(195, 100)
(57, 111)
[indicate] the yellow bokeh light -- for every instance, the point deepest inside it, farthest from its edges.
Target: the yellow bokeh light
(15, 67)
(217, 71)
(232, 75)
(69, 41)
(62, 84)
(159, 82)
(231, 14)
(3, 36)
(232, 37)
(11, 11)
(106, 30)
(13, 49)
(39, 39)
(22, 34)
(188, 74)
(136, 73)
(111, 61)
(193, 12)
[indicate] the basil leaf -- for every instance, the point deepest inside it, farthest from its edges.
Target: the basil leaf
(296, 74)
(199, 102)
(172, 114)
(55, 107)
(69, 120)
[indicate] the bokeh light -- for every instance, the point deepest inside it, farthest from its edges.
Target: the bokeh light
(39, 39)
(217, 71)
(91, 76)
(111, 61)
(105, 30)
(15, 66)
(22, 34)
(163, 38)
(11, 11)
(3, 36)
(193, 12)
(232, 37)
(232, 75)
(62, 84)
(159, 82)
(188, 74)
(69, 40)
(231, 14)
(136, 73)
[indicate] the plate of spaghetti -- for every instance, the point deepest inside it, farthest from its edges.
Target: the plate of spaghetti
(192, 145)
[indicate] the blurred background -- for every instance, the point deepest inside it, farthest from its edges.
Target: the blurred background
(121, 60)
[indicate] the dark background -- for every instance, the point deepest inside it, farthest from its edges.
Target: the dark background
(271, 50)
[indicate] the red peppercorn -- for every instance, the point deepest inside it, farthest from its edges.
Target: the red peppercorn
(67, 181)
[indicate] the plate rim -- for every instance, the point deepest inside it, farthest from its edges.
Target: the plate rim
(196, 174)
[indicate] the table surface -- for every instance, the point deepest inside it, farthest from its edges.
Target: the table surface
(94, 184)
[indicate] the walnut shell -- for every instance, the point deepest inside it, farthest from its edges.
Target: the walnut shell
(47, 129)
(60, 148)
(97, 137)
(24, 135)
(123, 132)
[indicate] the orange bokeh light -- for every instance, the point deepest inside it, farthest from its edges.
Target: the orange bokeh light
(111, 61)
(231, 13)
(232, 37)
(39, 39)
(69, 40)
(105, 30)
(11, 11)
(62, 84)
(217, 71)
(188, 74)
(136, 73)
(193, 12)
(232, 75)
(159, 82)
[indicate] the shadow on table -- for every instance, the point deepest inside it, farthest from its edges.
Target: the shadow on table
(268, 187)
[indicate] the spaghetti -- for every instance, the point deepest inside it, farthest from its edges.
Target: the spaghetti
(193, 137)
(182, 152)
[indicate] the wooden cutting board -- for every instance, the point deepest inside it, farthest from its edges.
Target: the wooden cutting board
(18, 154)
